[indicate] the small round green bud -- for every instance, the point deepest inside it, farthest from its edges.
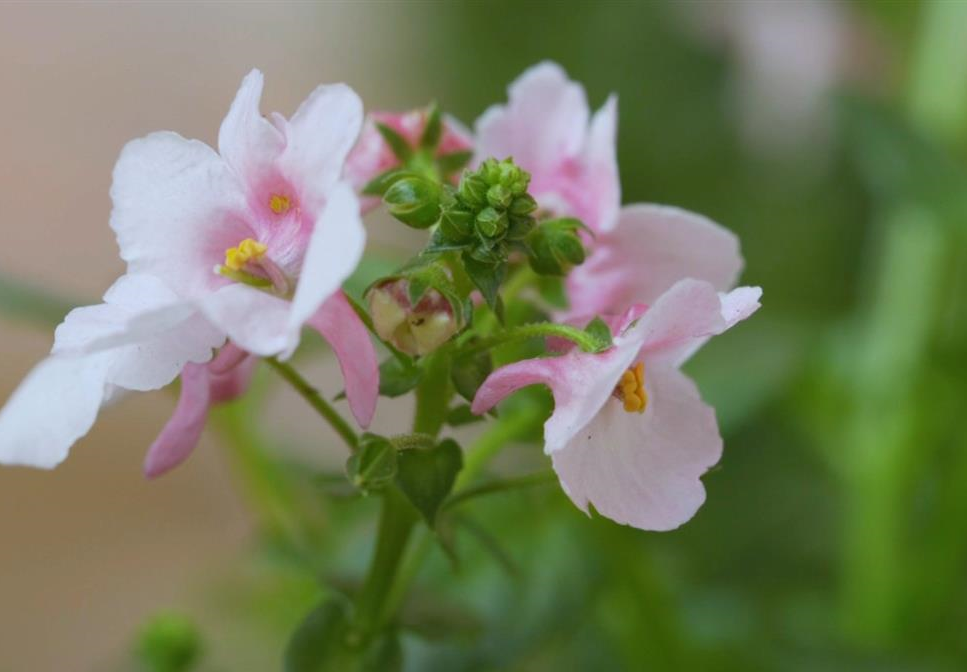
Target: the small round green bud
(555, 247)
(523, 205)
(499, 196)
(415, 201)
(473, 190)
(169, 643)
(456, 224)
(491, 223)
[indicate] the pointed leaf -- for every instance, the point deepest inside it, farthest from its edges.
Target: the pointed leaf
(427, 476)
(397, 143)
(433, 130)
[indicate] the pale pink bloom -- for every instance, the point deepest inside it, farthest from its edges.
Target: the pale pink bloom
(639, 461)
(639, 250)
(547, 127)
(249, 243)
(649, 250)
(372, 156)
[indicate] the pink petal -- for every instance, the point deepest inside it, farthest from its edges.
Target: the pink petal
(543, 123)
(644, 470)
(176, 206)
(334, 251)
(320, 135)
(180, 436)
(651, 248)
(54, 406)
(580, 382)
(232, 384)
(249, 142)
(600, 187)
(347, 335)
(683, 318)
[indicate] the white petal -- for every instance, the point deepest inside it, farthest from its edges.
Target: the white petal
(319, 136)
(644, 470)
(334, 251)
(247, 140)
(176, 206)
(254, 320)
(54, 406)
(149, 332)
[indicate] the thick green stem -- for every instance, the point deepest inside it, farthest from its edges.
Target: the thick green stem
(396, 522)
(323, 407)
(433, 394)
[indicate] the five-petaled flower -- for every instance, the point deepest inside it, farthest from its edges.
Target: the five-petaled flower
(638, 251)
(248, 243)
(629, 433)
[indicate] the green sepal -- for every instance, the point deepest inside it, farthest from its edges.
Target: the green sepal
(433, 129)
(469, 372)
(382, 182)
(397, 377)
(373, 465)
(427, 476)
(461, 415)
(450, 163)
(600, 330)
(397, 143)
(485, 277)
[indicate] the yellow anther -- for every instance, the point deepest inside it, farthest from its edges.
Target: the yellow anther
(279, 204)
(631, 389)
(248, 250)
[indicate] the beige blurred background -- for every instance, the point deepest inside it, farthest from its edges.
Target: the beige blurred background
(89, 550)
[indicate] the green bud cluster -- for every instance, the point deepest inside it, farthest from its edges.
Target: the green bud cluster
(487, 213)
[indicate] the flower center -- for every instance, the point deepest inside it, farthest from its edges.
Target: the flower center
(279, 204)
(249, 264)
(631, 389)
(249, 250)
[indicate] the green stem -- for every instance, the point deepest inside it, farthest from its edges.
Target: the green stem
(501, 485)
(396, 522)
(311, 395)
(579, 337)
(507, 428)
(433, 394)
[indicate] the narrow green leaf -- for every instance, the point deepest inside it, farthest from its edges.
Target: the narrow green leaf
(382, 182)
(433, 130)
(486, 277)
(397, 143)
(373, 465)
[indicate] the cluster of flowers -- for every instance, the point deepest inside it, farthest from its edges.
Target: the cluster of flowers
(230, 253)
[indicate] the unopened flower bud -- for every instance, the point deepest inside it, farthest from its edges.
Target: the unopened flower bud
(415, 330)
(415, 201)
(473, 190)
(491, 223)
(555, 246)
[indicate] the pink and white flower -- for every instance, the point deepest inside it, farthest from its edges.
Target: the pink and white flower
(249, 243)
(629, 433)
(639, 251)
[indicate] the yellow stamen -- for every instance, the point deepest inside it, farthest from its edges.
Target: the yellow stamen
(279, 204)
(248, 250)
(631, 389)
